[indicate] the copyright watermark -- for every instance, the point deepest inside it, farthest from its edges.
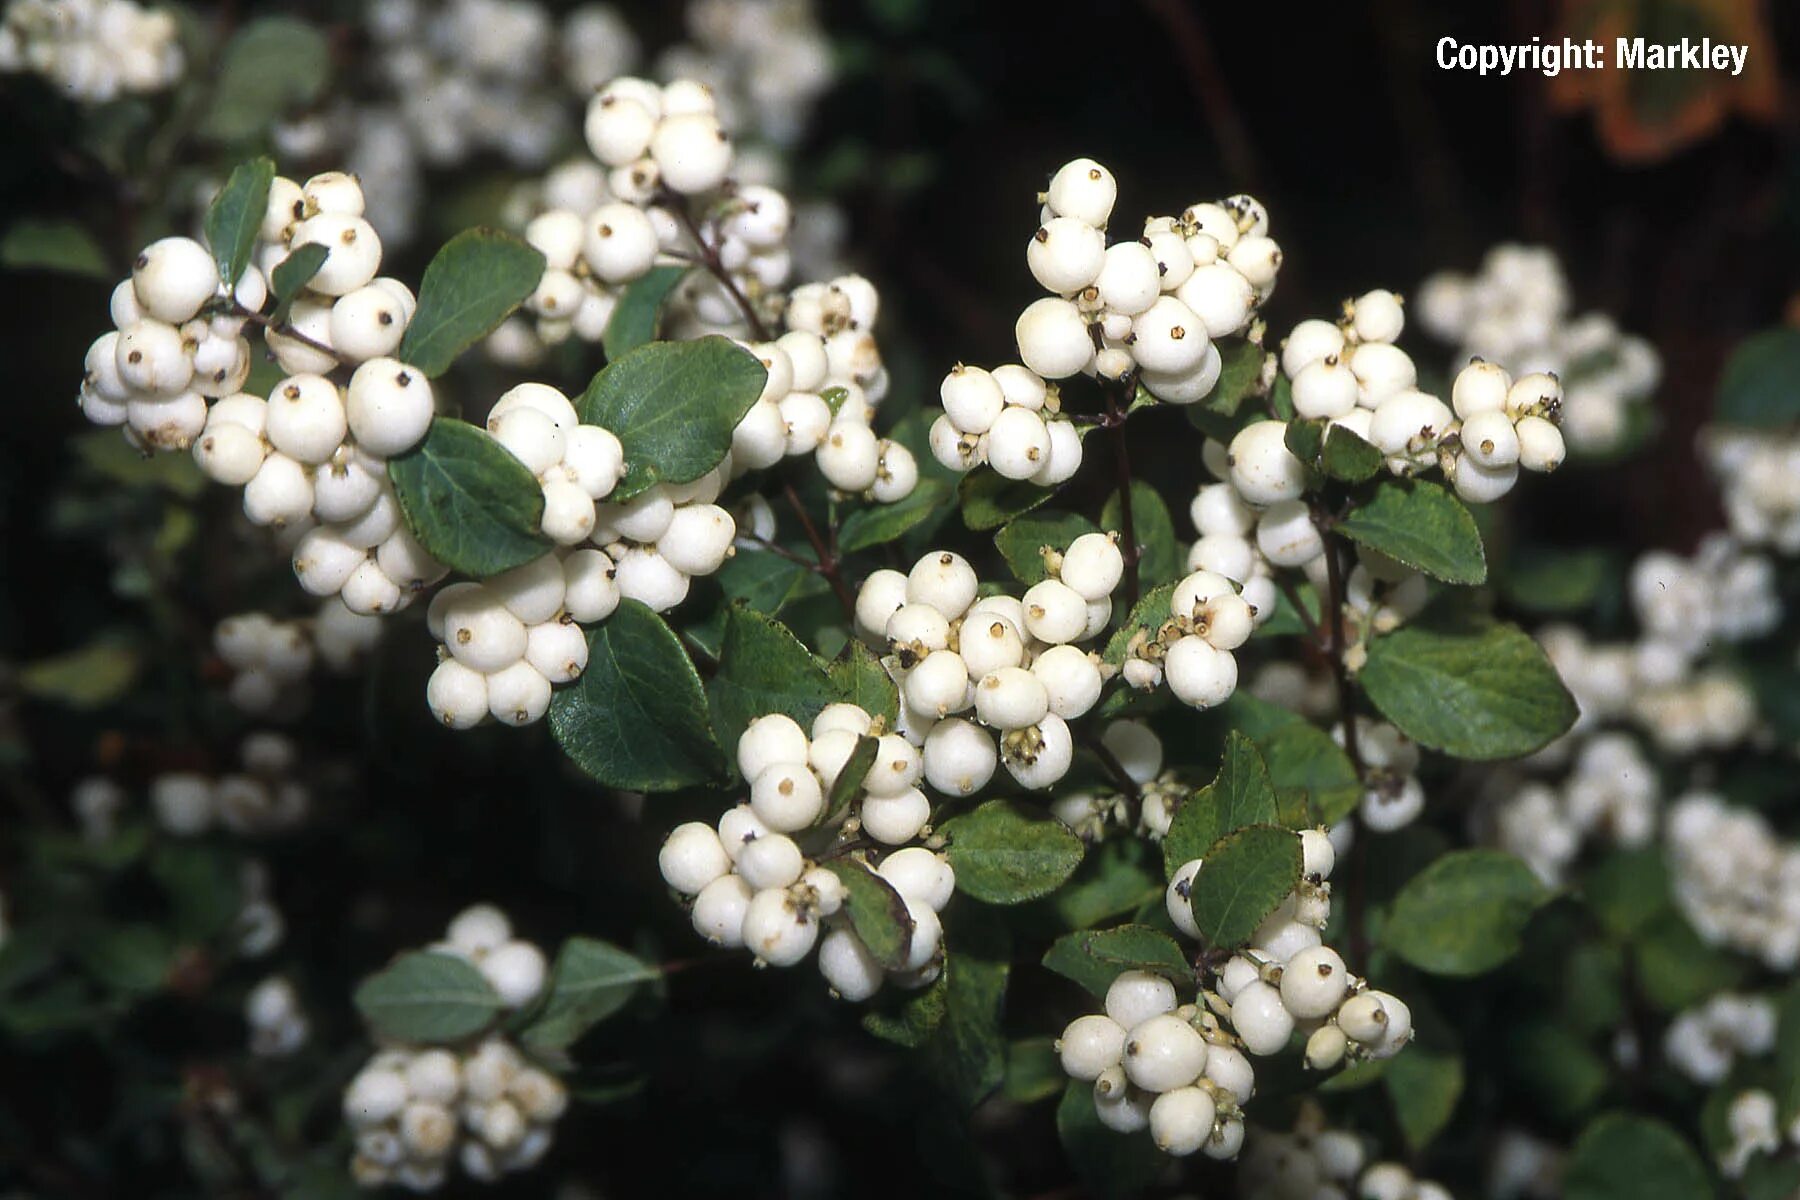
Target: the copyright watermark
(1573, 54)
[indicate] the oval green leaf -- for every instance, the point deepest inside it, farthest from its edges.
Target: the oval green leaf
(427, 997)
(470, 286)
(1464, 914)
(468, 501)
(1418, 523)
(1247, 875)
(1004, 854)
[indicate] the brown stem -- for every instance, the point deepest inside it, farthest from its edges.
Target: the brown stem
(828, 564)
(780, 551)
(1294, 598)
(1115, 768)
(1188, 37)
(1334, 577)
(289, 332)
(709, 258)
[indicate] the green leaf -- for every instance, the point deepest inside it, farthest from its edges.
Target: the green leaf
(1557, 1069)
(133, 959)
(1239, 795)
(857, 678)
(967, 1053)
(236, 216)
(1021, 542)
(1117, 878)
(1543, 579)
(673, 406)
(204, 887)
(877, 913)
(90, 676)
(1621, 1156)
(1033, 1070)
(1464, 914)
(1418, 523)
(1629, 890)
(470, 503)
(1005, 854)
(34, 244)
(879, 524)
(1109, 1164)
(1760, 386)
(1155, 532)
(1424, 1087)
(1677, 969)
(634, 320)
(990, 500)
(271, 66)
(1094, 958)
(1304, 439)
(591, 981)
(1240, 376)
(1247, 875)
(908, 1019)
(848, 784)
(637, 717)
(1348, 457)
(766, 582)
(1471, 688)
(1303, 756)
(763, 668)
(1150, 613)
(470, 286)
(292, 274)
(428, 997)
(1787, 1053)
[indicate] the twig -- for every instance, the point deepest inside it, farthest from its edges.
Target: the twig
(709, 258)
(763, 543)
(1181, 21)
(1294, 598)
(1115, 768)
(1334, 577)
(288, 331)
(828, 565)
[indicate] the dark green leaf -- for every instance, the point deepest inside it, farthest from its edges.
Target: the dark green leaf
(45, 245)
(1239, 377)
(1005, 854)
(858, 678)
(990, 500)
(292, 274)
(877, 913)
(1116, 878)
(1464, 914)
(908, 1019)
(1155, 532)
(967, 1053)
(766, 582)
(592, 980)
(428, 997)
(633, 322)
(1677, 969)
(236, 216)
(1558, 1070)
(1247, 875)
(469, 502)
(271, 66)
(1021, 542)
(637, 716)
(1424, 1087)
(1348, 457)
(1305, 438)
(1473, 689)
(1033, 1070)
(763, 668)
(1760, 387)
(1418, 523)
(1629, 890)
(879, 524)
(1148, 615)
(1787, 1053)
(470, 286)
(848, 784)
(1542, 579)
(1303, 756)
(1239, 795)
(1095, 957)
(1110, 1164)
(204, 887)
(673, 406)
(134, 959)
(1621, 1156)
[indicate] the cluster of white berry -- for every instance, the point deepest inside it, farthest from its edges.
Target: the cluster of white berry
(576, 465)
(1313, 1161)
(1393, 797)
(767, 61)
(271, 658)
(1138, 753)
(415, 1110)
(262, 798)
(1758, 473)
(1010, 663)
(757, 881)
(1735, 879)
(1753, 1122)
(1665, 682)
(277, 1020)
(1183, 1070)
(1611, 794)
(1515, 309)
(311, 457)
(1704, 1042)
(93, 50)
(1192, 650)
